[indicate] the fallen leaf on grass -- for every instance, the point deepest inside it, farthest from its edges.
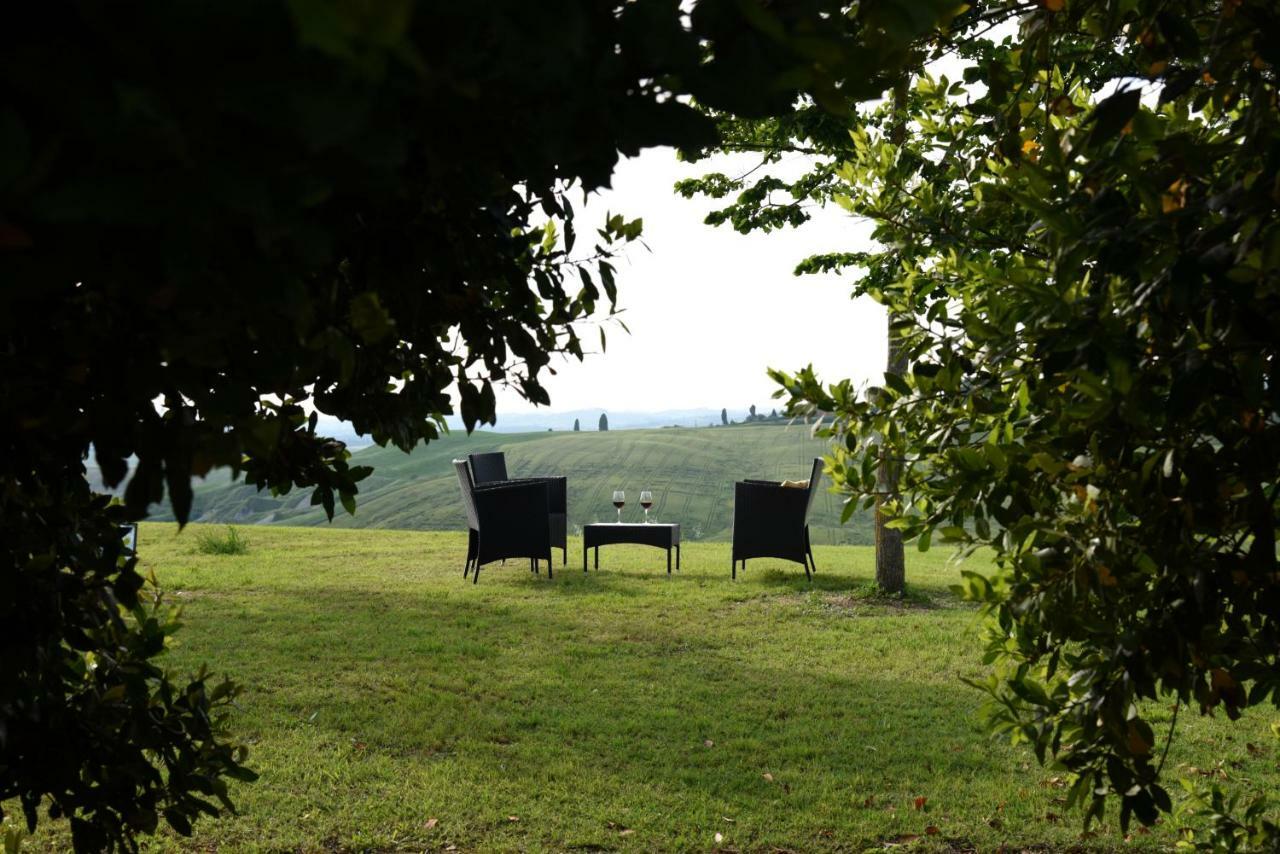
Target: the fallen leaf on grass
(932, 830)
(920, 802)
(513, 818)
(767, 776)
(902, 839)
(430, 823)
(730, 820)
(708, 743)
(719, 838)
(626, 832)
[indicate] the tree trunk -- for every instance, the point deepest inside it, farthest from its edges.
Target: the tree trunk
(891, 568)
(891, 559)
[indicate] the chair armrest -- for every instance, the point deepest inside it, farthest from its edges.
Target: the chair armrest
(519, 511)
(763, 482)
(557, 490)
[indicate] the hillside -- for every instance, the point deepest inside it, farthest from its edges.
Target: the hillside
(691, 473)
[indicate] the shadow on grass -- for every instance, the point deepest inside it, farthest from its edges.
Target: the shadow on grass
(774, 575)
(525, 701)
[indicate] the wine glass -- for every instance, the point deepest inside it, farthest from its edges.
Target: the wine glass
(646, 501)
(619, 499)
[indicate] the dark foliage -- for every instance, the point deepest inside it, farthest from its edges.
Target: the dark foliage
(211, 213)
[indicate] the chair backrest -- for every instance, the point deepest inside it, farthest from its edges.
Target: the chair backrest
(814, 478)
(468, 496)
(488, 468)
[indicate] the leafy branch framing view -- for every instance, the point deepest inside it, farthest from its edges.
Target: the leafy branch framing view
(1077, 246)
(1076, 243)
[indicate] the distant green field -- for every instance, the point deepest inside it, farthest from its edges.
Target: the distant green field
(691, 472)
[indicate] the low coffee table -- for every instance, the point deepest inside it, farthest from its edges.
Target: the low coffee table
(664, 536)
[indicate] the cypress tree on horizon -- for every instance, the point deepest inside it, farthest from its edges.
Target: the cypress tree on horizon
(604, 423)
(576, 426)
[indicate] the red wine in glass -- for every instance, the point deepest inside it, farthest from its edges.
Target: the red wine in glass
(646, 501)
(619, 500)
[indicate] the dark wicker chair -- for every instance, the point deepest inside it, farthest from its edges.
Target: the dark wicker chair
(504, 520)
(491, 468)
(769, 520)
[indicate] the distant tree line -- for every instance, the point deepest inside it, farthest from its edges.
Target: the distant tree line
(753, 417)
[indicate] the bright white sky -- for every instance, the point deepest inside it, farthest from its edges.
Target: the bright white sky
(710, 309)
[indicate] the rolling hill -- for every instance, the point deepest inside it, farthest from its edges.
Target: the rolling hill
(691, 472)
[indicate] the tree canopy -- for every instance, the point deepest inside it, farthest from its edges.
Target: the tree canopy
(1077, 238)
(211, 214)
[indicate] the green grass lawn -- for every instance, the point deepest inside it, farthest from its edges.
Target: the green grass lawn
(393, 706)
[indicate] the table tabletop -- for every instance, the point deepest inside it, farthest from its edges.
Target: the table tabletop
(664, 535)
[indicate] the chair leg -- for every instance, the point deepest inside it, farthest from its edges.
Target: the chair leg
(475, 576)
(735, 570)
(807, 576)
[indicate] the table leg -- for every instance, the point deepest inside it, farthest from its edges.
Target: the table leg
(584, 556)
(668, 560)
(597, 558)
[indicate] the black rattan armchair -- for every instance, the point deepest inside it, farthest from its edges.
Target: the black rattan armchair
(504, 520)
(769, 520)
(491, 468)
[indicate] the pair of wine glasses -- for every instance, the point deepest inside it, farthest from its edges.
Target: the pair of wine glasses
(620, 500)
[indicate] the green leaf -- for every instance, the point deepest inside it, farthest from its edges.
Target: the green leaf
(369, 319)
(1111, 116)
